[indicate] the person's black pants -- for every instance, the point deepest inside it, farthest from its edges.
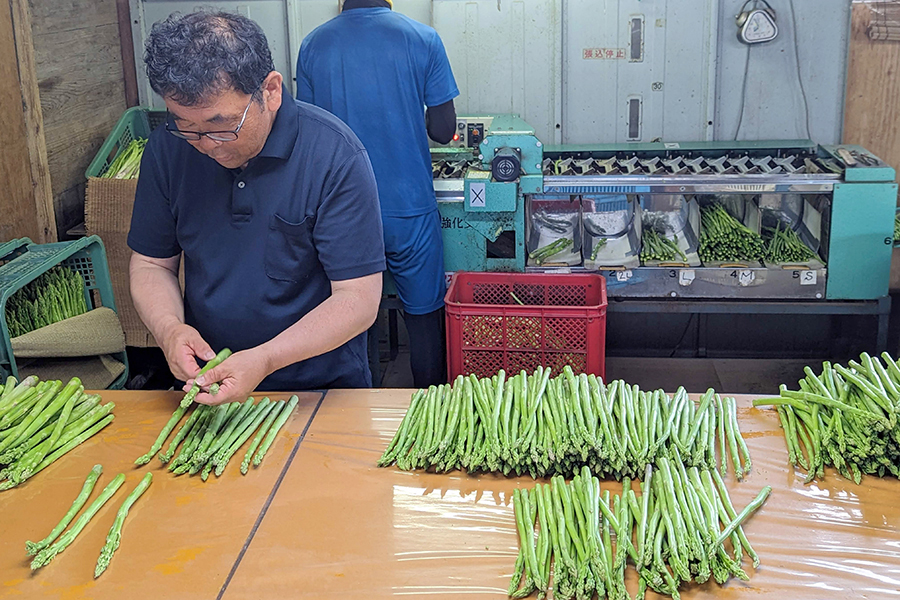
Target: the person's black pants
(427, 348)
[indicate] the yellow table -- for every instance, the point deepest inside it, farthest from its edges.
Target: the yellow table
(337, 526)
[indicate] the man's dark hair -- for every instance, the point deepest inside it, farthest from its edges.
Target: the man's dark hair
(192, 57)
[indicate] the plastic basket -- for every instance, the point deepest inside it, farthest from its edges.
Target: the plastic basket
(87, 256)
(13, 249)
(136, 123)
(561, 321)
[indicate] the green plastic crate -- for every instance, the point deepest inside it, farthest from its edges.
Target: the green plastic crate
(87, 256)
(136, 123)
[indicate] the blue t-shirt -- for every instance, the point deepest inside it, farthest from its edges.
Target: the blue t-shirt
(376, 70)
(261, 245)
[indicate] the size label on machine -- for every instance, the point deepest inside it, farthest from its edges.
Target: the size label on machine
(744, 277)
(806, 277)
(624, 275)
(476, 195)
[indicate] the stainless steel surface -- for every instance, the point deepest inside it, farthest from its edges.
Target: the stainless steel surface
(681, 184)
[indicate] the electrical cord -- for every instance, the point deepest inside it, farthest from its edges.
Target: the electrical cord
(743, 93)
(797, 60)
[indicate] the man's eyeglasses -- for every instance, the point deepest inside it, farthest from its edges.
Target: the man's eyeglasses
(217, 136)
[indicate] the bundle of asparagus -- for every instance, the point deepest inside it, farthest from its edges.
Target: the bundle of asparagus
(42, 421)
(724, 238)
(55, 295)
(212, 435)
(554, 426)
(675, 531)
(843, 417)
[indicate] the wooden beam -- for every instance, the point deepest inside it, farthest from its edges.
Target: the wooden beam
(126, 41)
(34, 122)
(17, 213)
(872, 106)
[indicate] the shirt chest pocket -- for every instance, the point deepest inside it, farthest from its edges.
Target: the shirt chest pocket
(290, 253)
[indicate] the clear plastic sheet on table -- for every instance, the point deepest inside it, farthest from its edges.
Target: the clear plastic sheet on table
(181, 538)
(550, 219)
(340, 527)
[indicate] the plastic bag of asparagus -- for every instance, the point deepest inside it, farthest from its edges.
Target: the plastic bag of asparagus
(41, 421)
(554, 233)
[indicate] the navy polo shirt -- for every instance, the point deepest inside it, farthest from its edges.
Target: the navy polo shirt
(261, 245)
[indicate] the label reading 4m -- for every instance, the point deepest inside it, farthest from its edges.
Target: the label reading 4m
(745, 277)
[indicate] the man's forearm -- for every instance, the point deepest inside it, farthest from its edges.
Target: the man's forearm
(337, 320)
(156, 294)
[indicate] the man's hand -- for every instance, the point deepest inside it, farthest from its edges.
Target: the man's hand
(182, 345)
(238, 376)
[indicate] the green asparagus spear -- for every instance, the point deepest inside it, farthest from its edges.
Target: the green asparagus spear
(195, 389)
(33, 548)
(279, 423)
(114, 537)
(44, 557)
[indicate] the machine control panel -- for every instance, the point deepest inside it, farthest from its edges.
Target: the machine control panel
(470, 132)
(475, 134)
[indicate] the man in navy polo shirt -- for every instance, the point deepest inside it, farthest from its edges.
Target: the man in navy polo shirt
(273, 205)
(377, 70)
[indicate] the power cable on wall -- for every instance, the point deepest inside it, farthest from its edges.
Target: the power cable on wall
(797, 60)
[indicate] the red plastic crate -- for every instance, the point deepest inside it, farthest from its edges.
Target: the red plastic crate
(561, 321)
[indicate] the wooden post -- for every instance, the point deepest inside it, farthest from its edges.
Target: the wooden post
(23, 153)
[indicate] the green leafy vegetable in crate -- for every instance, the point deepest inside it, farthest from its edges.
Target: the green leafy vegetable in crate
(54, 296)
(723, 238)
(655, 246)
(675, 531)
(554, 426)
(127, 165)
(42, 421)
(785, 246)
(212, 435)
(843, 417)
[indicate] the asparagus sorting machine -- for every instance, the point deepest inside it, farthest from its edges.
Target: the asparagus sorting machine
(502, 194)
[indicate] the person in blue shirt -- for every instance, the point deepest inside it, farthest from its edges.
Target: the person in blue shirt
(377, 71)
(273, 206)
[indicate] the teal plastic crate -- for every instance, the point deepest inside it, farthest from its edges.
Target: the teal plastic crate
(136, 123)
(13, 249)
(87, 256)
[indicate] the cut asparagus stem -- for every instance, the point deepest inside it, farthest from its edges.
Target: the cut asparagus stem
(163, 435)
(276, 410)
(114, 537)
(195, 389)
(33, 548)
(276, 427)
(44, 557)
